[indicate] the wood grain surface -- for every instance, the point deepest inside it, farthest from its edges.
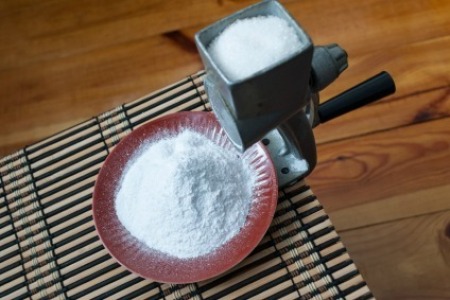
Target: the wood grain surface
(384, 170)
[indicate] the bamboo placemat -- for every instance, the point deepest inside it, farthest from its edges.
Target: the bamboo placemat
(49, 248)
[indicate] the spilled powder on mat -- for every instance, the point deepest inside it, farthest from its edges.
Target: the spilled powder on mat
(185, 195)
(252, 44)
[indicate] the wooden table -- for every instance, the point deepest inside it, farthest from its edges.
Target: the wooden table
(384, 171)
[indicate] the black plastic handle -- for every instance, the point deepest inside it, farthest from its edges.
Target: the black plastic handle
(375, 88)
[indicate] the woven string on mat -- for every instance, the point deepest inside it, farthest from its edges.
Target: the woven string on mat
(49, 248)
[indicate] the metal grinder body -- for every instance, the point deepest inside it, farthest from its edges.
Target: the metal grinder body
(280, 104)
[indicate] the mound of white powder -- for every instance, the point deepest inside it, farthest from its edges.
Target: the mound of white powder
(185, 195)
(250, 45)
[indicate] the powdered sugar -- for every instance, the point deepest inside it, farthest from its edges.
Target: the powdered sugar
(250, 45)
(185, 195)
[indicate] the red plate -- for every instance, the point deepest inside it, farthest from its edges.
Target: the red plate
(152, 264)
